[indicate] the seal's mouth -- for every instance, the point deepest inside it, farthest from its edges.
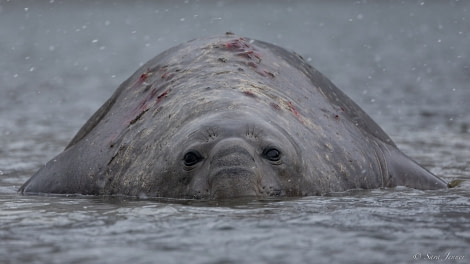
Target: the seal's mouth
(233, 182)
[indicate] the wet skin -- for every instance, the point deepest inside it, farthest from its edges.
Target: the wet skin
(224, 117)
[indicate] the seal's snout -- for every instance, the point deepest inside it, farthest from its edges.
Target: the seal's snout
(233, 169)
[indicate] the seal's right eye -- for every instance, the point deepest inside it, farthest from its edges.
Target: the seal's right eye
(192, 158)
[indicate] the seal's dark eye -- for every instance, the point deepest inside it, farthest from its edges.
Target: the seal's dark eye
(191, 158)
(272, 154)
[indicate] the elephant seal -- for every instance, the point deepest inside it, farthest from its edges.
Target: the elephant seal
(224, 117)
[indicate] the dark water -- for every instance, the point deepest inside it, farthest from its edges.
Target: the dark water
(407, 64)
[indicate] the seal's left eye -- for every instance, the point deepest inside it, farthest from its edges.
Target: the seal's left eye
(272, 154)
(191, 158)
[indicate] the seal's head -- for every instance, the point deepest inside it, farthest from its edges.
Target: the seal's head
(233, 155)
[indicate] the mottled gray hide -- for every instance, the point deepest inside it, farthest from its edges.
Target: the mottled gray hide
(225, 117)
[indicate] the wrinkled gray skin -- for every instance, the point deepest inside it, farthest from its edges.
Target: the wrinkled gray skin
(224, 117)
